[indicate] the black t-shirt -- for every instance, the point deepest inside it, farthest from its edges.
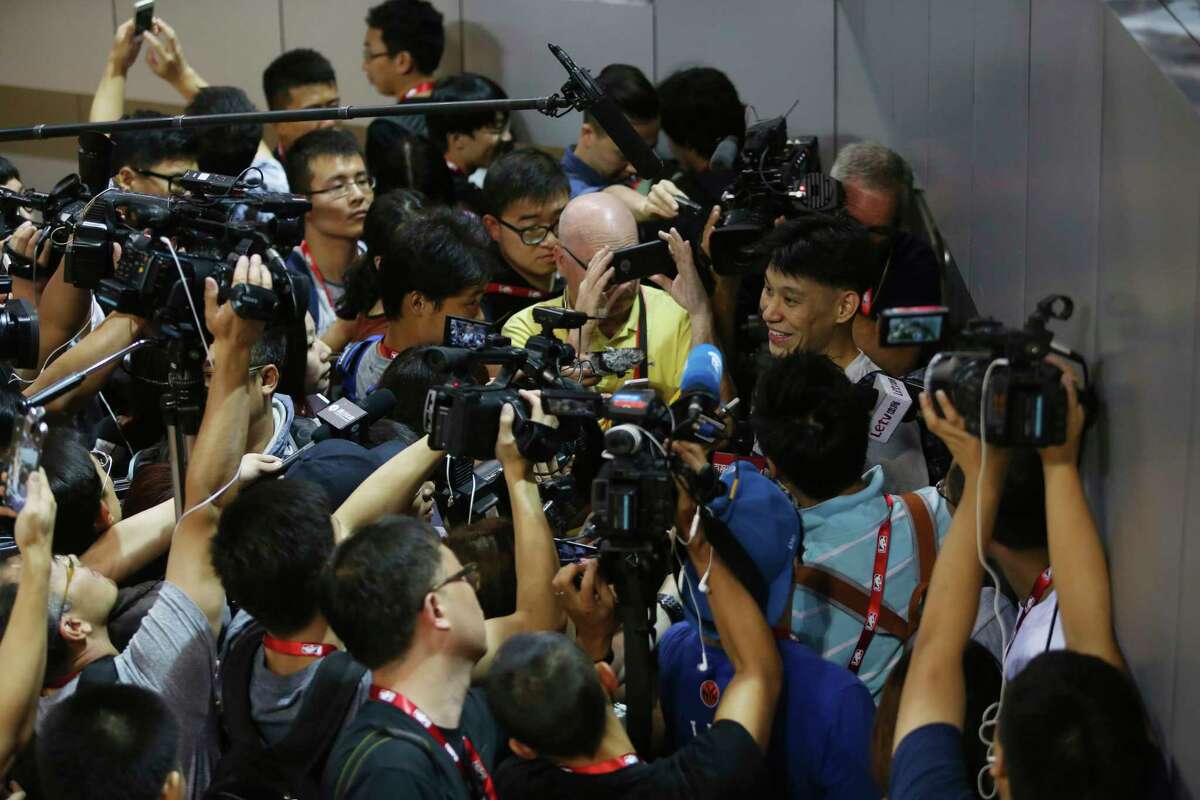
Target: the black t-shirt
(499, 304)
(720, 763)
(408, 763)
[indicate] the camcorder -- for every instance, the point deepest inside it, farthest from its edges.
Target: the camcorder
(776, 177)
(1022, 402)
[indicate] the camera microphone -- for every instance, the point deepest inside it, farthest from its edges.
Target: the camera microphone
(725, 156)
(700, 395)
(344, 419)
(588, 96)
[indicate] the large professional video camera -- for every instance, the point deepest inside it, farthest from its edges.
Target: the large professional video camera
(777, 177)
(998, 378)
(167, 241)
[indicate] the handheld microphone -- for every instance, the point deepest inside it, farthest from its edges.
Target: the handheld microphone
(700, 396)
(588, 96)
(344, 419)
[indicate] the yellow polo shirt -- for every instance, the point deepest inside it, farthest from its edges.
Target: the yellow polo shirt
(668, 338)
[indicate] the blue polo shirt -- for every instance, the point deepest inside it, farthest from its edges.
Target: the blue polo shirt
(840, 535)
(821, 739)
(584, 179)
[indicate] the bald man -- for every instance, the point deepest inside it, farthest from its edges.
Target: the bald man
(640, 318)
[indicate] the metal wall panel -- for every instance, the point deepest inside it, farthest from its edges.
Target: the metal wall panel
(59, 45)
(776, 53)
(947, 179)
(860, 112)
(909, 66)
(1065, 85)
(507, 42)
(229, 42)
(336, 29)
(1145, 333)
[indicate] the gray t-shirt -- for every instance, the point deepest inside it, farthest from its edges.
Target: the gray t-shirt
(275, 700)
(173, 653)
(371, 366)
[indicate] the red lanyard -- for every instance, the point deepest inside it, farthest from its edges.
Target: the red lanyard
(315, 270)
(309, 649)
(883, 548)
(404, 704)
(387, 352)
(516, 291)
(420, 88)
(1035, 596)
(605, 767)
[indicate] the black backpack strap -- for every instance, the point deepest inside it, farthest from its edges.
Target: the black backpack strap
(324, 710)
(236, 669)
(101, 672)
(367, 745)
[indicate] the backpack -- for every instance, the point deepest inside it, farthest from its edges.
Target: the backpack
(292, 768)
(854, 599)
(347, 367)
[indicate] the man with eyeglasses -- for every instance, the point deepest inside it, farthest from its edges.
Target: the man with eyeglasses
(524, 193)
(406, 608)
(328, 166)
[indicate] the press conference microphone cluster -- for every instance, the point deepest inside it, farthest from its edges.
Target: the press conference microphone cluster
(698, 409)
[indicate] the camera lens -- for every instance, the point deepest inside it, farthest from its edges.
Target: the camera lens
(19, 334)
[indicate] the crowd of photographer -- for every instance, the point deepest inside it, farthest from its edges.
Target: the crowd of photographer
(449, 468)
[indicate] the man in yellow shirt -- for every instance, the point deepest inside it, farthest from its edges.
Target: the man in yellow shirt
(657, 322)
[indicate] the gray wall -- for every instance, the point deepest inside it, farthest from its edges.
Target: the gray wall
(1058, 158)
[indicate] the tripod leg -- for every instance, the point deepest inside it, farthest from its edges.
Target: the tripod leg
(639, 675)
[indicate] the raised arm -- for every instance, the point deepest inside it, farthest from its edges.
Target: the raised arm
(533, 543)
(389, 490)
(1076, 554)
(23, 648)
(935, 690)
(220, 443)
(116, 332)
(109, 101)
(164, 55)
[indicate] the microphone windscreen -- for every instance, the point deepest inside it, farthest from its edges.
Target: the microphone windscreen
(725, 155)
(703, 370)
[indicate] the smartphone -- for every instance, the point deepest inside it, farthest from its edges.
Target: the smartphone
(463, 332)
(25, 455)
(915, 325)
(570, 551)
(143, 16)
(642, 261)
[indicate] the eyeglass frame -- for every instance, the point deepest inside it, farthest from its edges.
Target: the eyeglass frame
(469, 574)
(520, 232)
(171, 180)
(344, 189)
(367, 55)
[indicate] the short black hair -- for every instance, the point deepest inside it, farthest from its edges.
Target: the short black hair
(299, 67)
(631, 90)
(409, 377)
(1073, 725)
(408, 161)
(489, 543)
(108, 741)
(439, 254)
(148, 148)
(76, 486)
(700, 107)
(456, 88)
(834, 251)
(270, 348)
(373, 590)
(545, 692)
(272, 543)
(322, 142)
(412, 26)
(812, 422)
(58, 652)
(386, 213)
(525, 174)
(8, 170)
(225, 149)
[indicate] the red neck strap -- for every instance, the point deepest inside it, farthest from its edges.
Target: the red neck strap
(605, 767)
(1040, 586)
(483, 777)
(287, 648)
(386, 351)
(516, 291)
(63, 681)
(883, 548)
(420, 88)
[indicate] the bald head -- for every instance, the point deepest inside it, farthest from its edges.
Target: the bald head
(592, 221)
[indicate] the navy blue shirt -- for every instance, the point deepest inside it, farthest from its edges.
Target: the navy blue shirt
(584, 179)
(929, 765)
(821, 739)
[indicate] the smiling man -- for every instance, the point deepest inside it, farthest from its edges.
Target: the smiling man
(328, 166)
(819, 269)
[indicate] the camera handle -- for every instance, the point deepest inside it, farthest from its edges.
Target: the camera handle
(623, 565)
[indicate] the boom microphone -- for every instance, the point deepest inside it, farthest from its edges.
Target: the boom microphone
(589, 97)
(344, 419)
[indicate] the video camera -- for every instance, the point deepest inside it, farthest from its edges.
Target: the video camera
(218, 219)
(776, 176)
(1023, 401)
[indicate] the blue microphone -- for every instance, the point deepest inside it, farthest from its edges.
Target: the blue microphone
(699, 400)
(702, 372)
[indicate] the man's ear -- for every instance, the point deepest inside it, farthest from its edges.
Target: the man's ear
(403, 62)
(123, 178)
(270, 379)
(587, 131)
(74, 630)
(608, 678)
(522, 750)
(436, 612)
(418, 304)
(493, 226)
(847, 306)
(173, 787)
(104, 519)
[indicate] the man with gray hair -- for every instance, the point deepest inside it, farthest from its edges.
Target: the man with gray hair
(660, 327)
(879, 187)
